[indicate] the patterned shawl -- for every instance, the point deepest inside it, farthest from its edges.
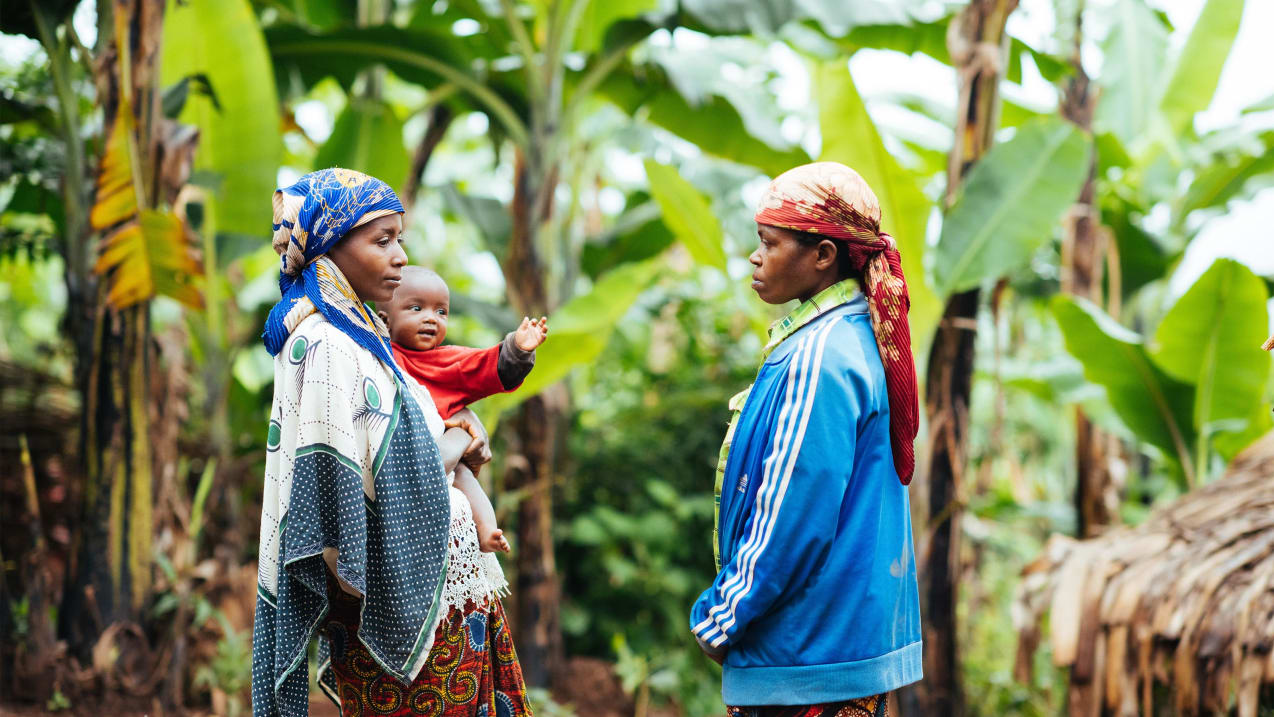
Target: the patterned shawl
(832, 200)
(310, 217)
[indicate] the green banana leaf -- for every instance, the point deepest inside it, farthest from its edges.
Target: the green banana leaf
(239, 142)
(1230, 175)
(688, 214)
(713, 124)
(1010, 204)
(600, 15)
(1156, 407)
(368, 137)
(1211, 338)
(1132, 72)
(578, 333)
(1194, 80)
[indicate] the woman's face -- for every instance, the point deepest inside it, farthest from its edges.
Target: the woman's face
(785, 268)
(371, 258)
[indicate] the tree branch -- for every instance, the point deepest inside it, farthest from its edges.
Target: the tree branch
(440, 117)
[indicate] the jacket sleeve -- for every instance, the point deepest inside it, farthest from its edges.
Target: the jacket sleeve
(514, 363)
(793, 519)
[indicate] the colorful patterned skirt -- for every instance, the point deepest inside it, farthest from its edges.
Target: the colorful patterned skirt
(876, 706)
(472, 670)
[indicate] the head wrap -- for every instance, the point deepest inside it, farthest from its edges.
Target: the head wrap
(310, 217)
(832, 200)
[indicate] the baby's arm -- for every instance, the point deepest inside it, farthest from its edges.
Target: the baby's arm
(517, 351)
(490, 538)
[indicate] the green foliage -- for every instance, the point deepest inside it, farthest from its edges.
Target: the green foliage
(598, 17)
(1155, 406)
(712, 123)
(639, 233)
(239, 135)
(1009, 205)
(635, 523)
(1211, 338)
(1131, 76)
(488, 215)
(57, 702)
(230, 669)
(1202, 382)
(1245, 163)
(322, 14)
(368, 137)
(850, 137)
(687, 214)
(424, 54)
(1142, 260)
(1194, 81)
(580, 330)
(31, 298)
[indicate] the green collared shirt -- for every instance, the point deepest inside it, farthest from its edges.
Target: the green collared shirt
(838, 294)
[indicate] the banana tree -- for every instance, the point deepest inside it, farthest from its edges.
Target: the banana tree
(1196, 390)
(1146, 141)
(144, 251)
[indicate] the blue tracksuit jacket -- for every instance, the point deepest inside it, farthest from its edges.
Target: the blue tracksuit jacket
(816, 599)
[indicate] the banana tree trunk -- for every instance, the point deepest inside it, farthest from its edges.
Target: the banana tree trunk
(1083, 253)
(536, 596)
(110, 573)
(109, 578)
(976, 41)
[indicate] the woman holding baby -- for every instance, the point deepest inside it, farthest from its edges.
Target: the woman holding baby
(365, 540)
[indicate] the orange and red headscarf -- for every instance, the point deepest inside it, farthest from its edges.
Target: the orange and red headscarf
(832, 200)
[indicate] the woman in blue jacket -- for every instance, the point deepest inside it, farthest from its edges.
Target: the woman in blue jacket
(814, 610)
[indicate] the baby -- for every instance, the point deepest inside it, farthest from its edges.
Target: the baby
(456, 376)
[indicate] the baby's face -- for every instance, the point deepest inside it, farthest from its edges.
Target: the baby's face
(417, 316)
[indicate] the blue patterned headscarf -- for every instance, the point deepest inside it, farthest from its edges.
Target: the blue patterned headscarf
(310, 217)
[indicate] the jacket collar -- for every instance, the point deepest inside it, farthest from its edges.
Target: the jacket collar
(838, 294)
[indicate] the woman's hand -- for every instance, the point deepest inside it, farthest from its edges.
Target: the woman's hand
(716, 654)
(478, 452)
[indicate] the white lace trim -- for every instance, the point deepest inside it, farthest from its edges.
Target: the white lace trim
(472, 575)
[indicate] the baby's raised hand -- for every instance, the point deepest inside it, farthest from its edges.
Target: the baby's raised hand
(531, 333)
(493, 542)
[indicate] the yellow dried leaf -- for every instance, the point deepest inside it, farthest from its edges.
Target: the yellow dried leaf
(153, 255)
(116, 198)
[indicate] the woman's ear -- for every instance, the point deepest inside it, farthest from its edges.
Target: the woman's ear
(825, 256)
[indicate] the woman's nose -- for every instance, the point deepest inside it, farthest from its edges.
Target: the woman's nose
(755, 257)
(398, 257)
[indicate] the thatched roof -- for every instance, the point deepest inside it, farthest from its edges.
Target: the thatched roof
(1177, 612)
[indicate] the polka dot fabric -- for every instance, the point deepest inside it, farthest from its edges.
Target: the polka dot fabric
(351, 465)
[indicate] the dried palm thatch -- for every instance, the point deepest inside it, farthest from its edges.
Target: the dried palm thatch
(1179, 610)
